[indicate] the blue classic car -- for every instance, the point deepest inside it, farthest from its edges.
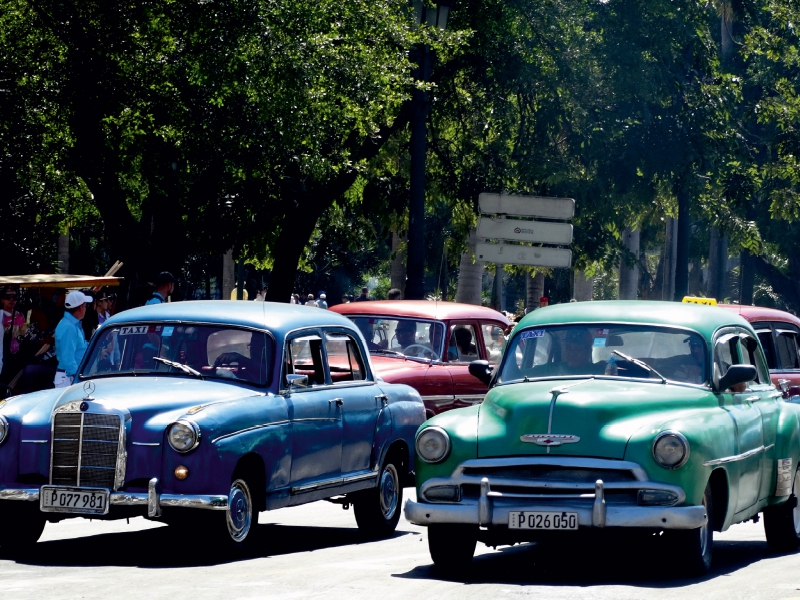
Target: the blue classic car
(209, 412)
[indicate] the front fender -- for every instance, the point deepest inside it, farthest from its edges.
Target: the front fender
(461, 425)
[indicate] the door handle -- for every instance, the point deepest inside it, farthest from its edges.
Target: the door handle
(383, 398)
(338, 401)
(753, 398)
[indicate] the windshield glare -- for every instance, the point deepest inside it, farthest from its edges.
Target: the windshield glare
(571, 350)
(410, 337)
(216, 352)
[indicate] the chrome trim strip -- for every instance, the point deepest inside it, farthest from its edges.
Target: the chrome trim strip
(145, 444)
(153, 499)
(470, 397)
(332, 482)
(729, 459)
(253, 428)
(554, 461)
(33, 441)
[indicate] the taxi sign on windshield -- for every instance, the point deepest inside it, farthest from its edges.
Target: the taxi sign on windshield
(696, 300)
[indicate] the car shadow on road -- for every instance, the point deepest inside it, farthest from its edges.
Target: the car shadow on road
(169, 547)
(600, 562)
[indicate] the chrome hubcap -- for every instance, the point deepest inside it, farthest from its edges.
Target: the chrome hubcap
(388, 491)
(240, 511)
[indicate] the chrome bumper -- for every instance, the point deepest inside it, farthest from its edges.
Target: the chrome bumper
(153, 500)
(492, 508)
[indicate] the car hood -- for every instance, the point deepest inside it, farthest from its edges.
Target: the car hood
(395, 370)
(600, 415)
(153, 402)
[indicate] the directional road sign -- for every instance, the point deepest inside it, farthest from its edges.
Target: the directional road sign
(533, 256)
(528, 206)
(542, 232)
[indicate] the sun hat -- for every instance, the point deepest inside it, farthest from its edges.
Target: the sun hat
(75, 298)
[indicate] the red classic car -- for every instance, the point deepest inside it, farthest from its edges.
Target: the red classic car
(779, 333)
(429, 345)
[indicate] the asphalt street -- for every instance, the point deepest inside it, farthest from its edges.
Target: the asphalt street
(316, 551)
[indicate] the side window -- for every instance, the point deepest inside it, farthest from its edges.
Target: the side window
(765, 337)
(787, 348)
(725, 354)
(494, 339)
(463, 346)
(752, 355)
(345, 362)
(304, 357)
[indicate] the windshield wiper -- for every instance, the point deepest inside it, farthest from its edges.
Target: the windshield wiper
(389, 352)
(177, 365)
(640, 363)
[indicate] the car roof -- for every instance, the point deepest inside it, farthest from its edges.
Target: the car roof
(761, 313)
(702, 318)
(277, 317)
(422, 309)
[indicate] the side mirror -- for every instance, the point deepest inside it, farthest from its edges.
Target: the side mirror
(737, 374)
(481, 370)
(296, 381)
(783, 385)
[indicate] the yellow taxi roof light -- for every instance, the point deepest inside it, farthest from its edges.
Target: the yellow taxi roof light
(696, 300)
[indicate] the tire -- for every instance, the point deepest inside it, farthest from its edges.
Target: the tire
(377, 511)
(694, 546)
(22, 527)
(236, 527)
(782, 522)
(452, 546)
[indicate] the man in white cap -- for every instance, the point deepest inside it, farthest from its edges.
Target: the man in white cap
(322, 302)
(70, 339)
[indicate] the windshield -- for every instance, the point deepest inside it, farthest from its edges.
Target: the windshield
(569, 350)
(409, 337)
(212, 351)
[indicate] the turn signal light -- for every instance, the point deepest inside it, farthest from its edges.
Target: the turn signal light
(181, 472)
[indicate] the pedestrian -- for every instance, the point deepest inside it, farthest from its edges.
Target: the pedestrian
(165, 285)
(345, 299)
(235, 292)
(394, 294)
(322, 302)
(14, 329)
(261, 295)
(70, 340)
(364, 295)
(544, 301)
(98, 315)
(310, 301)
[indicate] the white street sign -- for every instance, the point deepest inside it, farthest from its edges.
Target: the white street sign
(529, 206)
(533, 256)
(542, 232)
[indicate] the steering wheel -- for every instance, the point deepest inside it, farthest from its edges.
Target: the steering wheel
(421, 351)
(228, 358)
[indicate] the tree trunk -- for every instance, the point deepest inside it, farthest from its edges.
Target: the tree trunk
(717, 264)
(746, 277)
(63, 253)
(534, 289)
(582, 286)
(670, 256)
(470, 274)
(682, 254)
(228, 275)
(398, 268)
(497, 288)
(629, 273)
(725, 26)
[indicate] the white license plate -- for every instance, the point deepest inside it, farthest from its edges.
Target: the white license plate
(542, 520)
(87, 501)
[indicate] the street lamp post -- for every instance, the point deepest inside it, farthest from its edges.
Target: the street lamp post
(415, 266)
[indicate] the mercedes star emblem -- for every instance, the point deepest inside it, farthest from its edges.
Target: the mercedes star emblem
(88, 387)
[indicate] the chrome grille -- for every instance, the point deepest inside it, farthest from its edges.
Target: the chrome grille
(555, 474)
(85, 448)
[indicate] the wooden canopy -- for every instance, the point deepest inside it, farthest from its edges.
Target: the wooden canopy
(59, 281)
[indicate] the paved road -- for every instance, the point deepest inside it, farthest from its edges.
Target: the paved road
(315, 551)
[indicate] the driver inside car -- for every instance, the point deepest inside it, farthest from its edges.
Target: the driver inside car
(242, 366)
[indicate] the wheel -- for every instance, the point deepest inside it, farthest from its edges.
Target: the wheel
(693, 547)
(782, 522)
(377, 510)
(452, 546)
(23, 525)
(235, 528)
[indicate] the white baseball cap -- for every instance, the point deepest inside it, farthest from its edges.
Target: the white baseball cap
(323, 296)
(75, 299)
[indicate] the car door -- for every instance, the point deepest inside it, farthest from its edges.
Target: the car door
(786, 341)
(358, 398)
(316, 418)
(463, 347)
(763, 393)
(746, 461)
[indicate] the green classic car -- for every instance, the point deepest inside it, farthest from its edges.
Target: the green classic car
(651, 416)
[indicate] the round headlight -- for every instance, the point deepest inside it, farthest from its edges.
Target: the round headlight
(183, 436)
(3, 429)
(433, 445)
(670, 449)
